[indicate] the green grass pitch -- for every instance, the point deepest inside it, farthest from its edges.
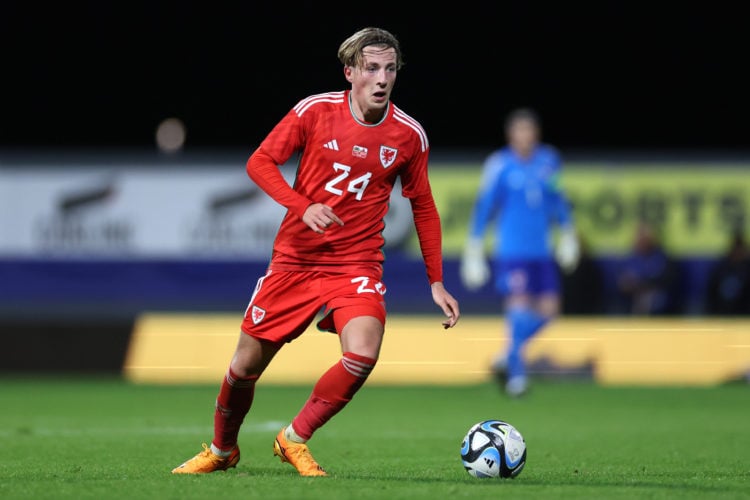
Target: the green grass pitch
(107, 439)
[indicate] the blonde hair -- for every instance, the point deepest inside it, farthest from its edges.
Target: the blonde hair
(350, 51)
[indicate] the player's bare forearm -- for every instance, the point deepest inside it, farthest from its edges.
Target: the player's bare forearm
(447, 303)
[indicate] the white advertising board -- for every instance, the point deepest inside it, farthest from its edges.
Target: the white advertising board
(201, 211)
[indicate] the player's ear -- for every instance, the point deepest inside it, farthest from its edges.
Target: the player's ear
(348, 73)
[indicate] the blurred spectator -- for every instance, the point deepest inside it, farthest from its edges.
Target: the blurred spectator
(649, 275)
(728, 291)
(584, 286)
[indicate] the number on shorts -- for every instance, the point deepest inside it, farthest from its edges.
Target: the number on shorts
(364, 281)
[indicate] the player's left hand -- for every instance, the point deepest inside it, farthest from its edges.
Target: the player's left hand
(320, 217)
(447, 303)
(568, 250)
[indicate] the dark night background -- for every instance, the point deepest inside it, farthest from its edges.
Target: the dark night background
(605, 75)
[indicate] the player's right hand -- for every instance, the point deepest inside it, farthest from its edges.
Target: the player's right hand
(319, 217)
(474, 270)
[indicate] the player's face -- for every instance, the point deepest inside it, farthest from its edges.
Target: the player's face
(373, 82)
(523, 136)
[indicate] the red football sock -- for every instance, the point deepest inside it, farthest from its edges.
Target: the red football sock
(232, 404)
(333, 391)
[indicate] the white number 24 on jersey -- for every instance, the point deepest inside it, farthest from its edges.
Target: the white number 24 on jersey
(356, 186)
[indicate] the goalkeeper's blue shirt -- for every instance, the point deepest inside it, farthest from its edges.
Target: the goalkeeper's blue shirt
(524, 201)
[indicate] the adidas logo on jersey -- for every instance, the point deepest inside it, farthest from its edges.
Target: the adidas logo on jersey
(332, 145)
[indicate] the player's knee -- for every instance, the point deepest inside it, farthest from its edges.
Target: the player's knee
(362, 336)
(252, 356)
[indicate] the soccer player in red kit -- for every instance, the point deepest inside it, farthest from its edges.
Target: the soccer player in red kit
(328, 252)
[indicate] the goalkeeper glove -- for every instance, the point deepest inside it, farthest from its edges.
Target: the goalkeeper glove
(475, 271)
(568, 250)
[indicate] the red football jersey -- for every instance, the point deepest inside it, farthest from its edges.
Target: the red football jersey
(350, 166)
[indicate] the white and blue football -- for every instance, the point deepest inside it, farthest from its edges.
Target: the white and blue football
(493, 448)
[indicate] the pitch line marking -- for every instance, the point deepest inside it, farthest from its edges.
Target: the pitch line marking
(662, 362)
(539, 339)
(247, 428)
(191, 334)
(567, 339)
(683, 330)
(233, 334)
(423, 362)
(166, 367)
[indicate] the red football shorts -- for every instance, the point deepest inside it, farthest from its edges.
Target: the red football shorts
(284, 303)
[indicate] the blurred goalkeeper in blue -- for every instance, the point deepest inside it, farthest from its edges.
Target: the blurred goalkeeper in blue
(534, 239)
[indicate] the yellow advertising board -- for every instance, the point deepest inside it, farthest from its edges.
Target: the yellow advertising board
(196, 348)
(694, 207)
